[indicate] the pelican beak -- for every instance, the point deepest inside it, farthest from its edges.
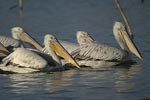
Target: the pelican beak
(129, 42)
(4, 50)
(59, 49)
(27, 38)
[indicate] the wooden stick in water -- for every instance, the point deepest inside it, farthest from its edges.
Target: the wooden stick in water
(21, 12)
(124, 17)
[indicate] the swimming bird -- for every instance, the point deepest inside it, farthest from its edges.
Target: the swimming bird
(23, 60)
(98, 55)
(20, 35)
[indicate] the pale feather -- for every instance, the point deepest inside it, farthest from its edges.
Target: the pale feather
(7, 41)
(70, 47)
(26, 58)
(101, 52)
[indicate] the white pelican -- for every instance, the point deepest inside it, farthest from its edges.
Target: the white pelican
(25, 61)
(97, 55)
(15, 42)
(19, 34)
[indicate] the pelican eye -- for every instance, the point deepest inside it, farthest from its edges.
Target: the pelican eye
(84, 35)
(52, 38)
(18, 30)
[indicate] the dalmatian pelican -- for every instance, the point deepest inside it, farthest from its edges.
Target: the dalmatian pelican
(96, 55)
(23, 60)
(20, 36)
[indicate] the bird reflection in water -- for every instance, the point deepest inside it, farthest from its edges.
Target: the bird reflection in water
(37, 83)
(126, 78)
(119, 79)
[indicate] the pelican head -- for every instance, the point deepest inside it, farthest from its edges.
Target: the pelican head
(83, 37)
(51, 43)
(124, 40)
(118, 36)
(19, 34)
(16, 32)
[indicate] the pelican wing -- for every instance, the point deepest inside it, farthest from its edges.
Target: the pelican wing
(7, 41)
(97, 51)
(44, 54)
(25, 58)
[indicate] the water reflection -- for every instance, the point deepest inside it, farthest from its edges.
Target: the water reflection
(60, 80)
(125, 78)
(32, 83)
(91, 84)
(103, 83)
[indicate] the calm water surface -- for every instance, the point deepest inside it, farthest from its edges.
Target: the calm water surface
(63, 18)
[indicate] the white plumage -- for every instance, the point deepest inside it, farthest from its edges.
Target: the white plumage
(15, 42)
(98, 55)
(33, 61)
(12, 42)
(70, 47)
(9, 42)
(18, 34)
(98, 51)
(25, 58)
(23, 61)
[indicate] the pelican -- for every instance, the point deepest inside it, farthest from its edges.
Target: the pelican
(20, 35)
(23, 60)
(98, 55)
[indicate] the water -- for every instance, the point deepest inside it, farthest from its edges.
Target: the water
(63, 18)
